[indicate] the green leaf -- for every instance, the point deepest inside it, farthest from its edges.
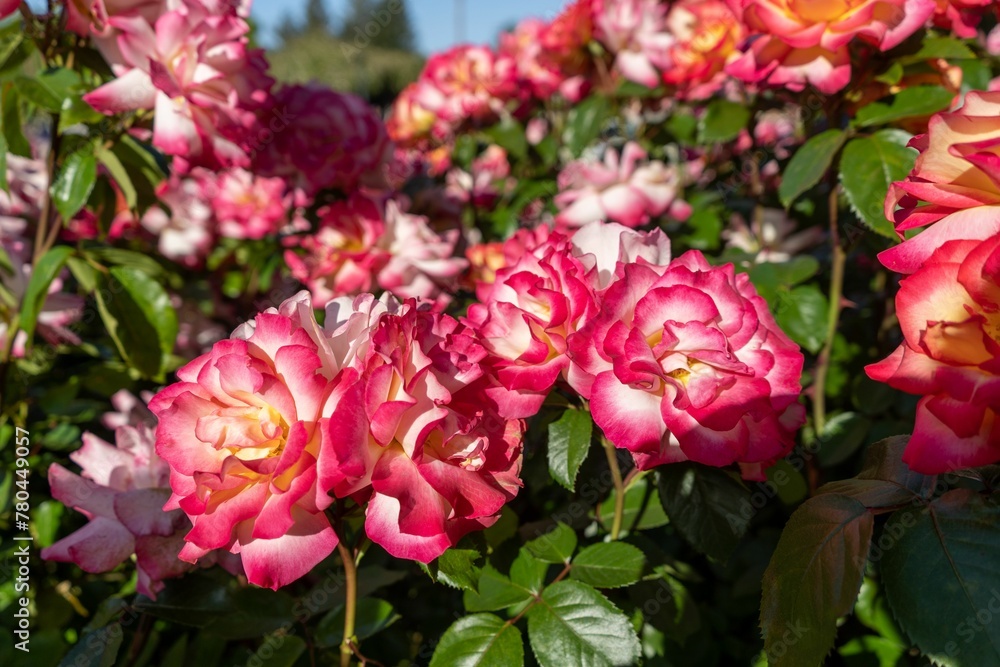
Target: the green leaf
(480, 640)
(96, 649)
(884, 461)
(802, 313)
(573, 624)
(868, 166)
(282, 650)
(841, 437)
(872, 493)
(372, 616)
(458, 568)
(253, 612)
(49, 89)
(12, 126)
(585, 122)
(508, 134)
(42, 275)
(642, 509)
(142, 310)
(941, 579)
(809, 164)
(704, 505)
(74, 182)
(941, 47)
(908, 103)
(772, 279)
(722, 121)
(555, 546)
(608, 565)
(813, 579)
(119, 173)
(528, 572)
(495, 591)
(569, 442)
(45, 521)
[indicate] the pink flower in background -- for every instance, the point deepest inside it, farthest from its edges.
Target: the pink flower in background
(330, 140)
(948, 311)
(688, 364)
(525, 319)
(707, 35)
(800, 42)
(635, 32)
(422, 262)
(248, 206)
(954, 185)
(27, 183)
(413, 437)
(129, 410)
(195, 70)
(185, 226)
(545, 61)
(342, 257)
(466, 83)
(771, 237)
(488, 179)
(59, 310)
(242, 431)
(410, 123)
(962, 17)
(630, 189)
(121, 492)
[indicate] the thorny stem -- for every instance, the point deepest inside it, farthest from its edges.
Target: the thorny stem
(616, 475)
(836, 291)
(350, 604)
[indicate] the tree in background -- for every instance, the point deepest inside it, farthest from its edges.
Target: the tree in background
(395, 31)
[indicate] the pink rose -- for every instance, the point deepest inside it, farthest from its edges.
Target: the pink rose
(954, 185)
(121, 492)
(488, 179)
(243, 432)
(707, 35)
(960, 16)
(629, 190)
(248, 206)
(635, 32)
(321, 138)
(413, 437)
(689, 365)
(802, 42)
(185, 229)
(948, 313)
(466, 83)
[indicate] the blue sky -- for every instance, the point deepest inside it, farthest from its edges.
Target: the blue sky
(434, 21)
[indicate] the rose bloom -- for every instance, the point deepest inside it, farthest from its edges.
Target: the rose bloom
(771, 237)
(635, 32)
(544, 62)
(802, 42)
(185, 228)
(489, 178)
(954, 186)
(707, 35)
(243, 432)
(629, 189)
(687, 363)
(962, 17)
(331, 140)
(413, 437)
(948, 310)
(466, 83)
(248, 206)
(409, 123)
(195, 70)
(122, 492)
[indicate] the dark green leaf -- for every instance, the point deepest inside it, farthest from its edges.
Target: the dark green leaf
(642, 509)
(569, 442)
(12, 126)
(809, 164)
(949, 48)
(458, 568)
(495, 591)
(872, 493)
(45, 521)
(74, 182)
(908, 103)
(772, 278)
(49, 89)
(813, 579)
(282, 650)
(253, 612)
(704, 505)
(585, 122)
(941, 579)
(42, 275)
(528, 572)
(608, 565)
(480, 640)
(508, 134)
(884, 461)
(573, 624)
(868, 167)
(143, 314)
(722, 121)
(841, 437)
(372, 615)
(555, 546)
(96, 649)
(802, 313)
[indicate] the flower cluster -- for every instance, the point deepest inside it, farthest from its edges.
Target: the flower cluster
(948, 301)
(381, 404)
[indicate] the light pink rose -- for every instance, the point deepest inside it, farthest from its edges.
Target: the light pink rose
(689, 365)
(630, 190)
(248, 206)
(488, 179)
(770, 237)
(185, 229)
(635, 32)
(413, 437)
(948, 311)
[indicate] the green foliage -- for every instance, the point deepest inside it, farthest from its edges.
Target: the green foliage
(569, 443)
(809, 164)
(480, 640)
(868, 167)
